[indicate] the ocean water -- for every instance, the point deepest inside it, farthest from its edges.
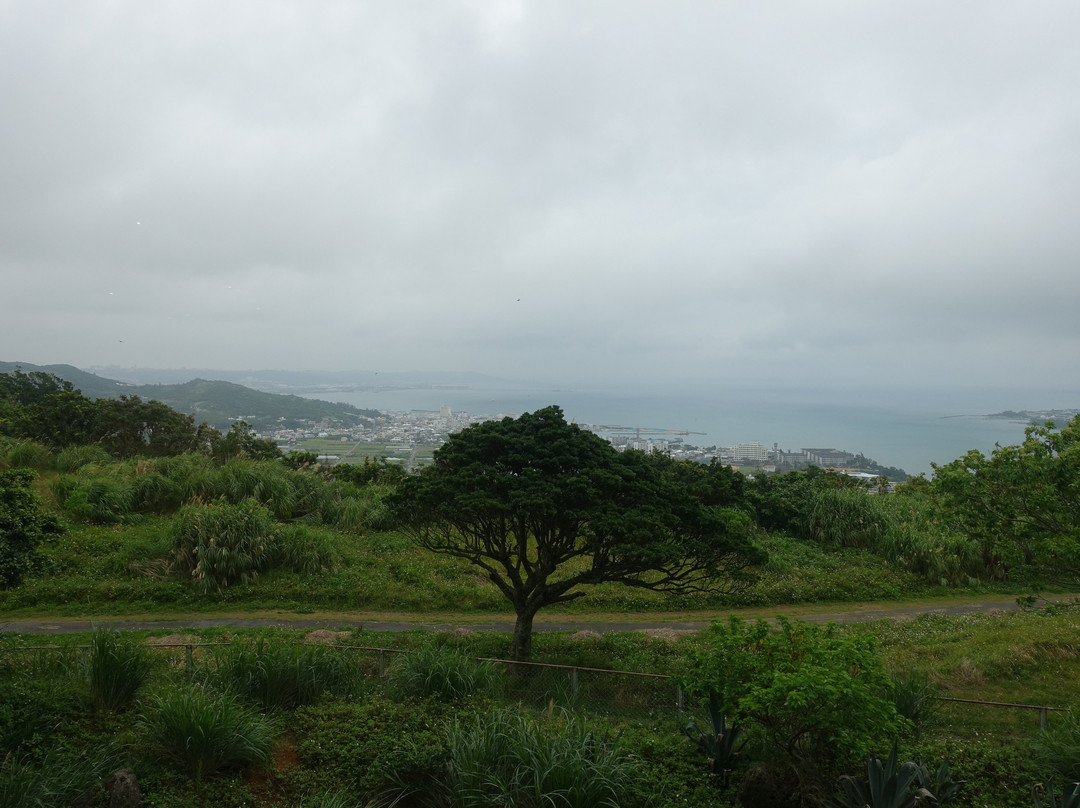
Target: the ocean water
(909, 436)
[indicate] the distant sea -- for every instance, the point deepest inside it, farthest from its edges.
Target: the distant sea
(907, 436)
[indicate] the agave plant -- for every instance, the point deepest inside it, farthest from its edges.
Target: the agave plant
(721, 747)
(941, 784)
(888, 785)
(1069, 798)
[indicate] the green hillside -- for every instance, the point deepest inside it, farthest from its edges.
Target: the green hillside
(216, 402)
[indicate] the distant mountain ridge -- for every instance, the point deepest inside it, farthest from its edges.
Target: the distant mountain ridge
(214, 401)
(301, 380)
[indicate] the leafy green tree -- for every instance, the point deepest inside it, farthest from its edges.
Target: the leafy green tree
(47, 409)
(1022, 504)
(24, 525)
(130, 427)
(298, 461)
(545, 508)
(242, 442)
(370, 472)
(816, 697)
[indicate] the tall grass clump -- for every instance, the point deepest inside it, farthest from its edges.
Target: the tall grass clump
(305, 549)
(287, 494)
(926, 544)
(354, 510)
(152, 492)
(97, 494)
(118, 667)
(191, 473)
(72, 458)
(845, 518)
(219, 544)
(506, 758)
(905, 530)
(29, 454)
(444, 673)
(1056, 748)
(915, 696)
(38, 692)
(57, 781)
(280, 676)
(203, 732)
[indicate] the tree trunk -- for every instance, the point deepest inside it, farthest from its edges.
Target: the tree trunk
(521, 645)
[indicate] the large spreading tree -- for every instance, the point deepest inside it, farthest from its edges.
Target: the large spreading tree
(545, 508)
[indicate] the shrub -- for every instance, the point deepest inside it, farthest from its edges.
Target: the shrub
(218, 545)
(24, 526)
(204, 732)
(443, 673)
(355, 745)
(819, 698)
(118, 667)
(280, 676)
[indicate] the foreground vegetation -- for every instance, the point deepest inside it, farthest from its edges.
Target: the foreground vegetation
(282, 722)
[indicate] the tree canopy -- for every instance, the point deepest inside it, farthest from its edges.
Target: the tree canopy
(1022, 503)
(45, 408)
(545, 508)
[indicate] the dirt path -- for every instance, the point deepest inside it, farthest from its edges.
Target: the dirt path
(856, 614)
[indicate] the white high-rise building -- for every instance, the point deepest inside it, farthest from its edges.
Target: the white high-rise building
(752, 451)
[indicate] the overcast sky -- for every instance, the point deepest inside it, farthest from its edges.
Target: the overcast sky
(875, 194)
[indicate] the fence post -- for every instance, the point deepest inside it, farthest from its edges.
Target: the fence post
(1042, 718)
(382, 663)
(188, 659)
(573, 685)
(680, 701)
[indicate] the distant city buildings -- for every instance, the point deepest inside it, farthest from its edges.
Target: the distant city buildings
(400, 433)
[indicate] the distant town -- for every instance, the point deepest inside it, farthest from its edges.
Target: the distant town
(411, 437)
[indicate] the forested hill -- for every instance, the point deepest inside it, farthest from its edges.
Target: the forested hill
(216, 402)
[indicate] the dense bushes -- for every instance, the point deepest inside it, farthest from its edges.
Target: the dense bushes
(909, 530)
(815, 699)
(121, 492)
(24, 525)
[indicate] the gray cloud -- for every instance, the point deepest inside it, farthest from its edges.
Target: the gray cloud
(873, 194)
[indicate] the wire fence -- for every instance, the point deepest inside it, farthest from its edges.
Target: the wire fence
(611, 693)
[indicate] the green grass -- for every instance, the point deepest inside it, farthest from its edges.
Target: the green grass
(124, 568)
